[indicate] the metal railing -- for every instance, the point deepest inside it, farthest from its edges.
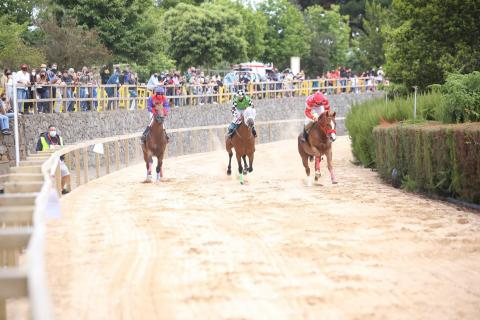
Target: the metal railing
(88, 97)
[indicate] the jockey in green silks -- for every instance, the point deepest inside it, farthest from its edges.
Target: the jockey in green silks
(240, 103)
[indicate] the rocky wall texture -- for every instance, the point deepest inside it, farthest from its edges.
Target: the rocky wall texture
(83, 126)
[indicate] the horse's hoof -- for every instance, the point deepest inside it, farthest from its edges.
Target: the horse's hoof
(309, 182)
(334, 182)
(245, 172)
(250, 170)
(229, 172)
(316, 178)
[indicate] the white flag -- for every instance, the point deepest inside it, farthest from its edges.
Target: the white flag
(98, 148)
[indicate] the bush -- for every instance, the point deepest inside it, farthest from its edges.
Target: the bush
(430, 157)
(462, 98)
(362, 118)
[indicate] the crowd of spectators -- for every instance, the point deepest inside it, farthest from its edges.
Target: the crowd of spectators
(79, 89)
(49, 85)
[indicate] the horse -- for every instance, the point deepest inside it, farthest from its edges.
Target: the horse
(155, 145)
(319, 143)
(243, 142)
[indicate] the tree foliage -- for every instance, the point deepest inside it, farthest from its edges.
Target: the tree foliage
(372, 39)
(13, 50)
(204, 35)
(71, 45)
(286, 35)
(430, 38)
(18, 11)
(329, 39)
(122, 25)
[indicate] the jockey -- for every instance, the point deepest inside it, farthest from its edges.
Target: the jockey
(240, 102)
(153, 102)
(315, 105)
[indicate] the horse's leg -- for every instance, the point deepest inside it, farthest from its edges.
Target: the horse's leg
(148, 162)
(159, 167)
(229, 169)
(330, 166)
(245, 167)
(317, 168)
(304, 157)
(250, 162)
(239, 161)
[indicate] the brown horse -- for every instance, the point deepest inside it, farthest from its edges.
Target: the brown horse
(243, 142)
(319, 143)
(155, 145)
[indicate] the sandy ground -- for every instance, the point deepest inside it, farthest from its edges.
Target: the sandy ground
(201, 246)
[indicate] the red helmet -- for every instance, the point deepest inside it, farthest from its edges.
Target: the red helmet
(318, 98)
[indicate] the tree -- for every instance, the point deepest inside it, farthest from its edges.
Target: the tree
(329, 39)
(122, 25)
(204, 35)
(18, 11)
(371, 41)
(286, 35)
(430, 38)
(72, 45)
(13, 50)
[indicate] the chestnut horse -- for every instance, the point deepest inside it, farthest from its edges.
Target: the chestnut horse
(243, 142)
(319, 143)
(155, 145)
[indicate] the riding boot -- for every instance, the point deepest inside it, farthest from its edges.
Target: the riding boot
(144, 135)
(231, 129)
(304, 137)
(254, 132)
(166, 135)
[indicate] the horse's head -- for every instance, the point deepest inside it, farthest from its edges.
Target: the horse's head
(159, 118)
(249, 117)
(328, 124)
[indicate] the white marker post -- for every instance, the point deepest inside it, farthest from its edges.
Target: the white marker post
(415, 104)
(15, 119)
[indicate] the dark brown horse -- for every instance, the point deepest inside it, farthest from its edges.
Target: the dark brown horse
(243, 142)
(319, 143)
(155, 145)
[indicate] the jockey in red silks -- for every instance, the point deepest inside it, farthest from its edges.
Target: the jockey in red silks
(153, 103)
(315, 105)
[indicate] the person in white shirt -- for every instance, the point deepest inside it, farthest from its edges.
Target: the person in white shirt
(22, 81)
(153, 82)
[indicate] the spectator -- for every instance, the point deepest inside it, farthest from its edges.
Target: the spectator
(104, 74)
(42, 91)
(84, 80)
(153, 82)
(4, 80)
(51, 140)
(5, 114)
(68, 81)
(22, 80)
(113, 80)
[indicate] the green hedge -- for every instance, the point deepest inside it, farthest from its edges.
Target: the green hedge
(362, 118)
(432, 157)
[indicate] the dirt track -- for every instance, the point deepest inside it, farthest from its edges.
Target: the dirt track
(201, 246)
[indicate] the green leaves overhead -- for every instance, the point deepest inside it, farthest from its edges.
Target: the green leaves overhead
(13, 50)
(286, 35)
(205, 34)
(430, 38)
(123, 25)
(329, 39)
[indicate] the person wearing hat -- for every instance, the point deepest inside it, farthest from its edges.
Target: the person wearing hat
(157, 100)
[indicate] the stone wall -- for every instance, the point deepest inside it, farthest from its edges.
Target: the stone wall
(82, 126)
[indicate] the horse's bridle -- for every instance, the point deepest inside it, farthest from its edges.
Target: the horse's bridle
(327, 131)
